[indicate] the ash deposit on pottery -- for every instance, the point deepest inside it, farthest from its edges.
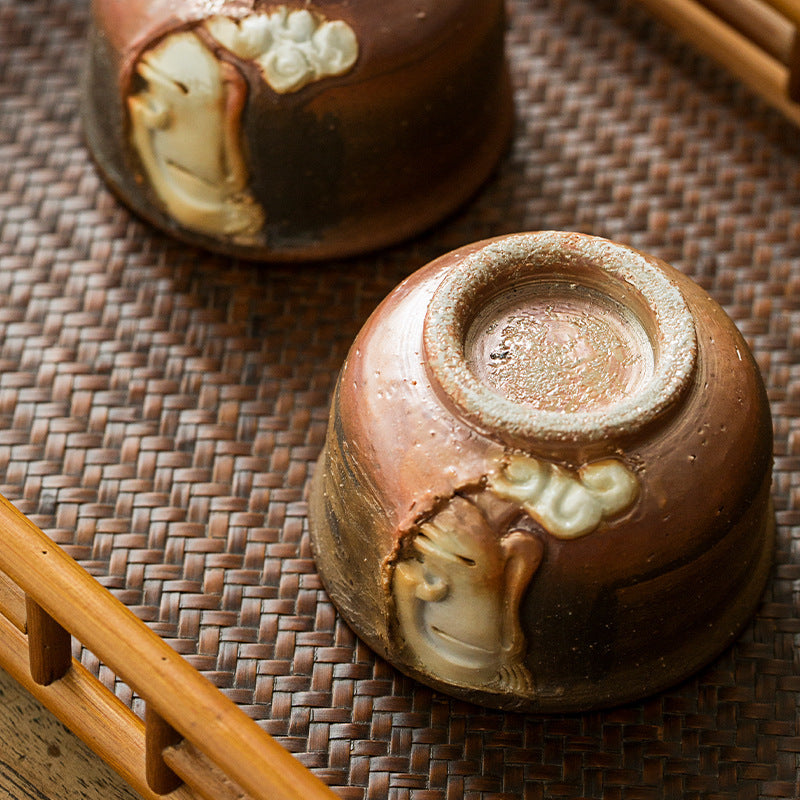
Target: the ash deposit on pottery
(561, 348)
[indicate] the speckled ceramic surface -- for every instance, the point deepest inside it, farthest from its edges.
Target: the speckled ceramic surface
(296, 131)
(163, 408)
(546, 479)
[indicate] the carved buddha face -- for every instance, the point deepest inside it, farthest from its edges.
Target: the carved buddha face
(457, 596)
(458, 586)
(200, 177)
(187, 111)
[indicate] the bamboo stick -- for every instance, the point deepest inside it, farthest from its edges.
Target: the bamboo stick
(207, 780)
(177, 693)
(789, 8)
(158, 735)
(760, 22)
(79, 700)
(49, 645)
(749, 63)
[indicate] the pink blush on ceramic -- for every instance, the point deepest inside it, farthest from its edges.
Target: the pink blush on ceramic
(560, 347)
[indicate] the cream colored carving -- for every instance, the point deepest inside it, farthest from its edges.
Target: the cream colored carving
(457, 598)
(565, 504)
(291, 48)
(186, 121)
(185, 126)
(460, 578)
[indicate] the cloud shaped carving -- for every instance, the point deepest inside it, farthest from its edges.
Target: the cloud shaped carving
(291, 48)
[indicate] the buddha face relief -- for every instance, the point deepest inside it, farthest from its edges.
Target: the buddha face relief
(461, 575)
(457, 597)
(185, 128)
(186, 112)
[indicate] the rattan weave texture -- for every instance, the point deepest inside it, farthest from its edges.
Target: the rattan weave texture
(161, 408)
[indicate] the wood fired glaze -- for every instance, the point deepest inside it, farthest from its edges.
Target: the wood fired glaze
(296, 130)
(185, 115)
(459, 577)
(528, 556)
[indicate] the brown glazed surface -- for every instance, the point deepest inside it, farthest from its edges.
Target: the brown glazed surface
(349, 162)
(653, 593)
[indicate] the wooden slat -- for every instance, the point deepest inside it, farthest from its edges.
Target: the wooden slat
(774, 27)
(79, 701)
(40, 758)
(208, 781)
(705, 31)
(159, 735)
(789, 8)
(49, 645)
(759, 21)
(176, 692)
(12, 602)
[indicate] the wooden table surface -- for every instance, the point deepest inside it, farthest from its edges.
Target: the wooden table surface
(41, 760)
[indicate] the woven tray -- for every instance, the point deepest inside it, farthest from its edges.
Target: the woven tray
(161, 408)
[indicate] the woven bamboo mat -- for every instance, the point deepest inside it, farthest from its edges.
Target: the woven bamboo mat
(161, 408)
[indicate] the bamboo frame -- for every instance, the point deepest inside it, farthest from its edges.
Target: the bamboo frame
(194, 742)
(758, 41)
